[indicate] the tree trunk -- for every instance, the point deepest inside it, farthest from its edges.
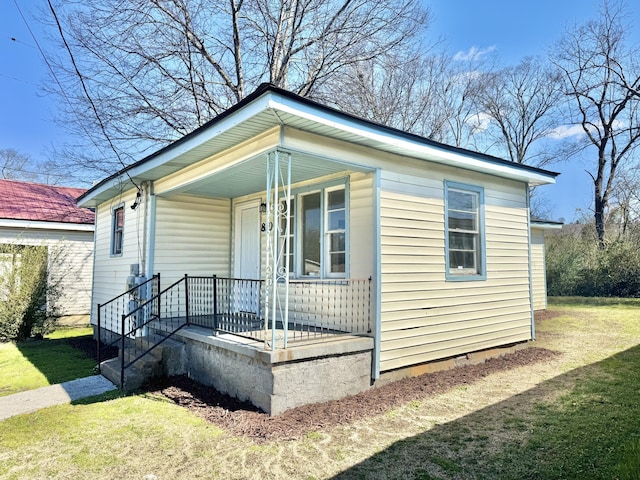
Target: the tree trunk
(599, 219)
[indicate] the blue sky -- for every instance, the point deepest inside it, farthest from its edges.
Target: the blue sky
(512, 29)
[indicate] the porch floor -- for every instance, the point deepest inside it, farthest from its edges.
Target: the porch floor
(248, 329)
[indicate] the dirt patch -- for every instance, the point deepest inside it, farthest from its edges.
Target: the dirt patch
(541, 315)
(242, 418)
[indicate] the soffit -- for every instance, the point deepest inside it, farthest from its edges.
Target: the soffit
(271, 109)
(250, 176)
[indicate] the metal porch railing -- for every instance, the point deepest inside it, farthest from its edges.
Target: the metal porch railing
(316, 309)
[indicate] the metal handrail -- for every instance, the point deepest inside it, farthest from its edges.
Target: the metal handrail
(101, 306)
(130, 291)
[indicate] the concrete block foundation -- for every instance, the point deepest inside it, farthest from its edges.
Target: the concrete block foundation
(278, 380)
(471, 358)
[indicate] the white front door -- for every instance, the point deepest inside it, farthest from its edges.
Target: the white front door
(247, 257)
(247, 241)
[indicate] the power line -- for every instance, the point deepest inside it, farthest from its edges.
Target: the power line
(80, 77)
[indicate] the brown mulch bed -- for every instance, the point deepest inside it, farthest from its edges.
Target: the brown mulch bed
(242, 418)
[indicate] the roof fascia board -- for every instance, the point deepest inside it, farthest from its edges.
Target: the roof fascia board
(427, 152)
(40, 225)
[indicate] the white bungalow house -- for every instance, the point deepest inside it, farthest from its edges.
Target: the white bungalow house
(305, 254)
(33, 214)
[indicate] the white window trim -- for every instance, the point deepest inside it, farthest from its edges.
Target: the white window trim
(112, 251)
(297, 234)
(326, 233)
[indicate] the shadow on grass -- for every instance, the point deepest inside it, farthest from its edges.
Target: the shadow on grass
(57, 359)
(583, 424)
(103, 397)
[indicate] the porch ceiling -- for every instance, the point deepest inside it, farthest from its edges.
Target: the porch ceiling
(249, 176)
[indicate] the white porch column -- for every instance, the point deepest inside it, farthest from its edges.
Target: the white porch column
(277, 225)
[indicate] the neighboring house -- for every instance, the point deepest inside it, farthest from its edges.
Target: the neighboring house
(538, 262)
(346, 253)
(47, 215)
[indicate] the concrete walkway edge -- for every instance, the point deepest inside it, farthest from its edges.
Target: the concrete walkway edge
(33, 400)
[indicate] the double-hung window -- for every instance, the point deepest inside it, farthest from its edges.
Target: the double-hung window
(117, 230)
(336, 232)
(464, 232)
(317, 233)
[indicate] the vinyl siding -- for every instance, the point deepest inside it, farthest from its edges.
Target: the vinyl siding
(538, 273)
(192, 237)
(71, 263)
(361, 225)
(111, 271)
(423, 316)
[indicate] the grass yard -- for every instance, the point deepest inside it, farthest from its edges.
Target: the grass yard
(37, 363)
(575, 417)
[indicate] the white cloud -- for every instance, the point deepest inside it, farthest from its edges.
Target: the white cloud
(478, 122)
(566, 131)
(473, 54)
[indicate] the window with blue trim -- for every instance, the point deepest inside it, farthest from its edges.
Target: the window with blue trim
(464, 231)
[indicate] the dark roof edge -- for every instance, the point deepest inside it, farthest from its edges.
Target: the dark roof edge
(545, 221)
(266, 87)
(413, 136)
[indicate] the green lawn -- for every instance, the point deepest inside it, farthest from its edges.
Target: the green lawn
(574, 417)
(38, 363)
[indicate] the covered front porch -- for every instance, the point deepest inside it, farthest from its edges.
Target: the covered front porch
(288, 287)
(215, 330)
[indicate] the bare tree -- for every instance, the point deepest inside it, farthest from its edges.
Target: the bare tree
(146, 72)
(520, 101)
(601, 76)
(14, 165)
(465, 123)
(428, 93)
(625, 202)
(20, 166)
(395, 90)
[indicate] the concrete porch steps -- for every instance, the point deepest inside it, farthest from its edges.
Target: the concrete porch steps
(162, 360)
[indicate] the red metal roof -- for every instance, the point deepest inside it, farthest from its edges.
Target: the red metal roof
(44, 203)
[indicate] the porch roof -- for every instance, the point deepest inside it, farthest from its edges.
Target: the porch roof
(270, 107)
(249, 176)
